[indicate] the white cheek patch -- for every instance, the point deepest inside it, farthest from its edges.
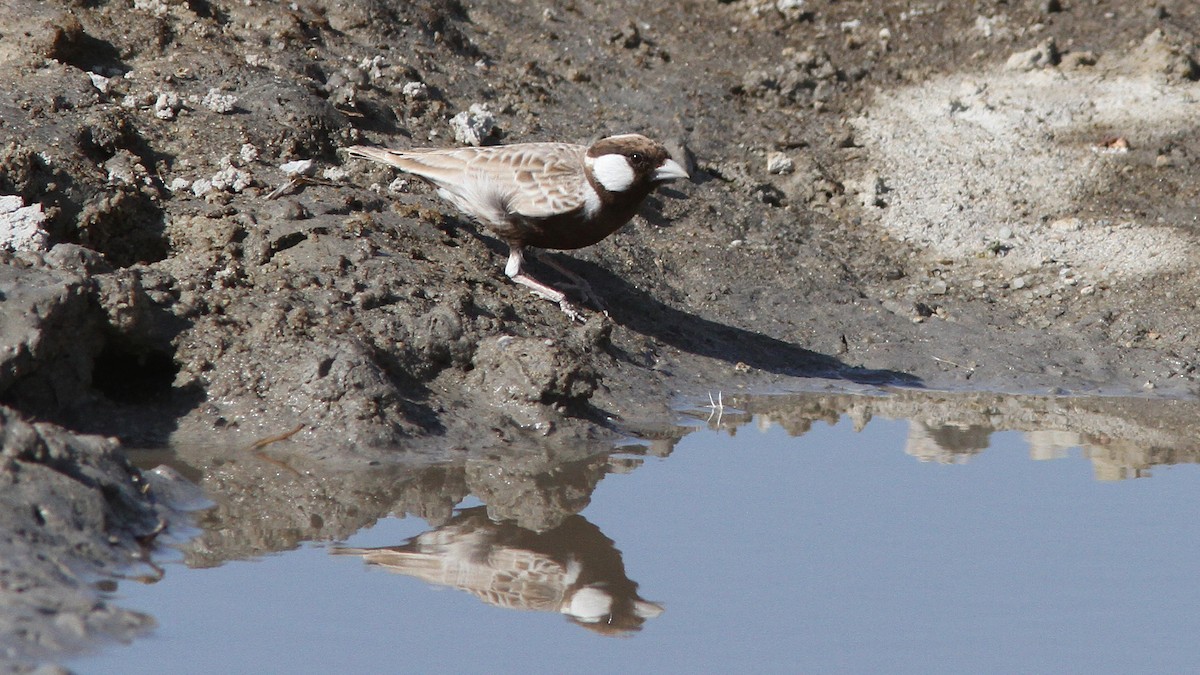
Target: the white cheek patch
(589, 605)
(613, 172)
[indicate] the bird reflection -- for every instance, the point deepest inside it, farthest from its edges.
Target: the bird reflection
(572, 569)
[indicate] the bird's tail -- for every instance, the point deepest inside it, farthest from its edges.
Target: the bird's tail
(376, 154)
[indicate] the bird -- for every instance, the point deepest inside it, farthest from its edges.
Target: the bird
(572, 568)
(560, 196)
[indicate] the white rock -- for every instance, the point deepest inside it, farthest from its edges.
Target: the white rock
(219, 102)
(790, 6)
(231, 179)
(299, 167)
(248, 153)
(415, 91)
(201, 186)
(100, 82)
(335, 173)
(167, 105)
(373, 66)
(178, 184)
(779, 163)
(21, 226)
(473, 125)
(157, 8)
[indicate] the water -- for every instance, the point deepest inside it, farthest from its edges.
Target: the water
(923, 546)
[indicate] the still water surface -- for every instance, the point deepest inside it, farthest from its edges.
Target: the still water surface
(838, 550)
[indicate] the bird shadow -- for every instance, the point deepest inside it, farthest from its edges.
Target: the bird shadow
(641, 312)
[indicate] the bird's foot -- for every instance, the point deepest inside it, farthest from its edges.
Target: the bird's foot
(565, 305)
(571, 311)
(554, 295)
(585, 289)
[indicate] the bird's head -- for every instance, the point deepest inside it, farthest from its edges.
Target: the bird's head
(631, 163)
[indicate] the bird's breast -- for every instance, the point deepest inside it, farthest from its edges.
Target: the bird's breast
(573, 230)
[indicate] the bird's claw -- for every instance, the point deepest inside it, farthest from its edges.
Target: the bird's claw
(571, 311)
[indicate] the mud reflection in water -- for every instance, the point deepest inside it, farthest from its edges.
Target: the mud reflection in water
(1123, 437)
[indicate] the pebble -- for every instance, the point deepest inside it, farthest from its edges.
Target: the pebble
(779, 163)
(219, 102)
(167, 105)
(474, 125)
(299, 167)
(1017, 283)
(415, 91)
(248, 153)
(1044, 55)
(100, 82)
(335, 174)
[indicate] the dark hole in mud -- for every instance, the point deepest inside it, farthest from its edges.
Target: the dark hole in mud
(129, 376)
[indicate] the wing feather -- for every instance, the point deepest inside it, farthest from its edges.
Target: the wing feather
(530, 180)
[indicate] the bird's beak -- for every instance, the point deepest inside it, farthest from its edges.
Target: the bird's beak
(669, 170)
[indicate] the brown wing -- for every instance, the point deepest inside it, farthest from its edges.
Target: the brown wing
(533, 180)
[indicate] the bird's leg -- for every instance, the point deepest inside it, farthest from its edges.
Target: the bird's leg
(585, 289)
(513, 270)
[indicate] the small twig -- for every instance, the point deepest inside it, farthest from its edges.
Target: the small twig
(256, 449)
(970, 369)
(264, 442)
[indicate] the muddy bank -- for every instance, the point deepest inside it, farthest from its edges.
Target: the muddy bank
(998, 197)
(73, 511)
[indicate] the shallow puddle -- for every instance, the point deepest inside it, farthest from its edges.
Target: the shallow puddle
(815, 533)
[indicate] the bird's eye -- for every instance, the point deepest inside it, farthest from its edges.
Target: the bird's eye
(637, 158)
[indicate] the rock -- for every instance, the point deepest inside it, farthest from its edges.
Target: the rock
(473, 126)
(21, 226)
(219, 102)
(415, 91)
(299, 167)
(1045, 55)
(167, 105)
(780, 163)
